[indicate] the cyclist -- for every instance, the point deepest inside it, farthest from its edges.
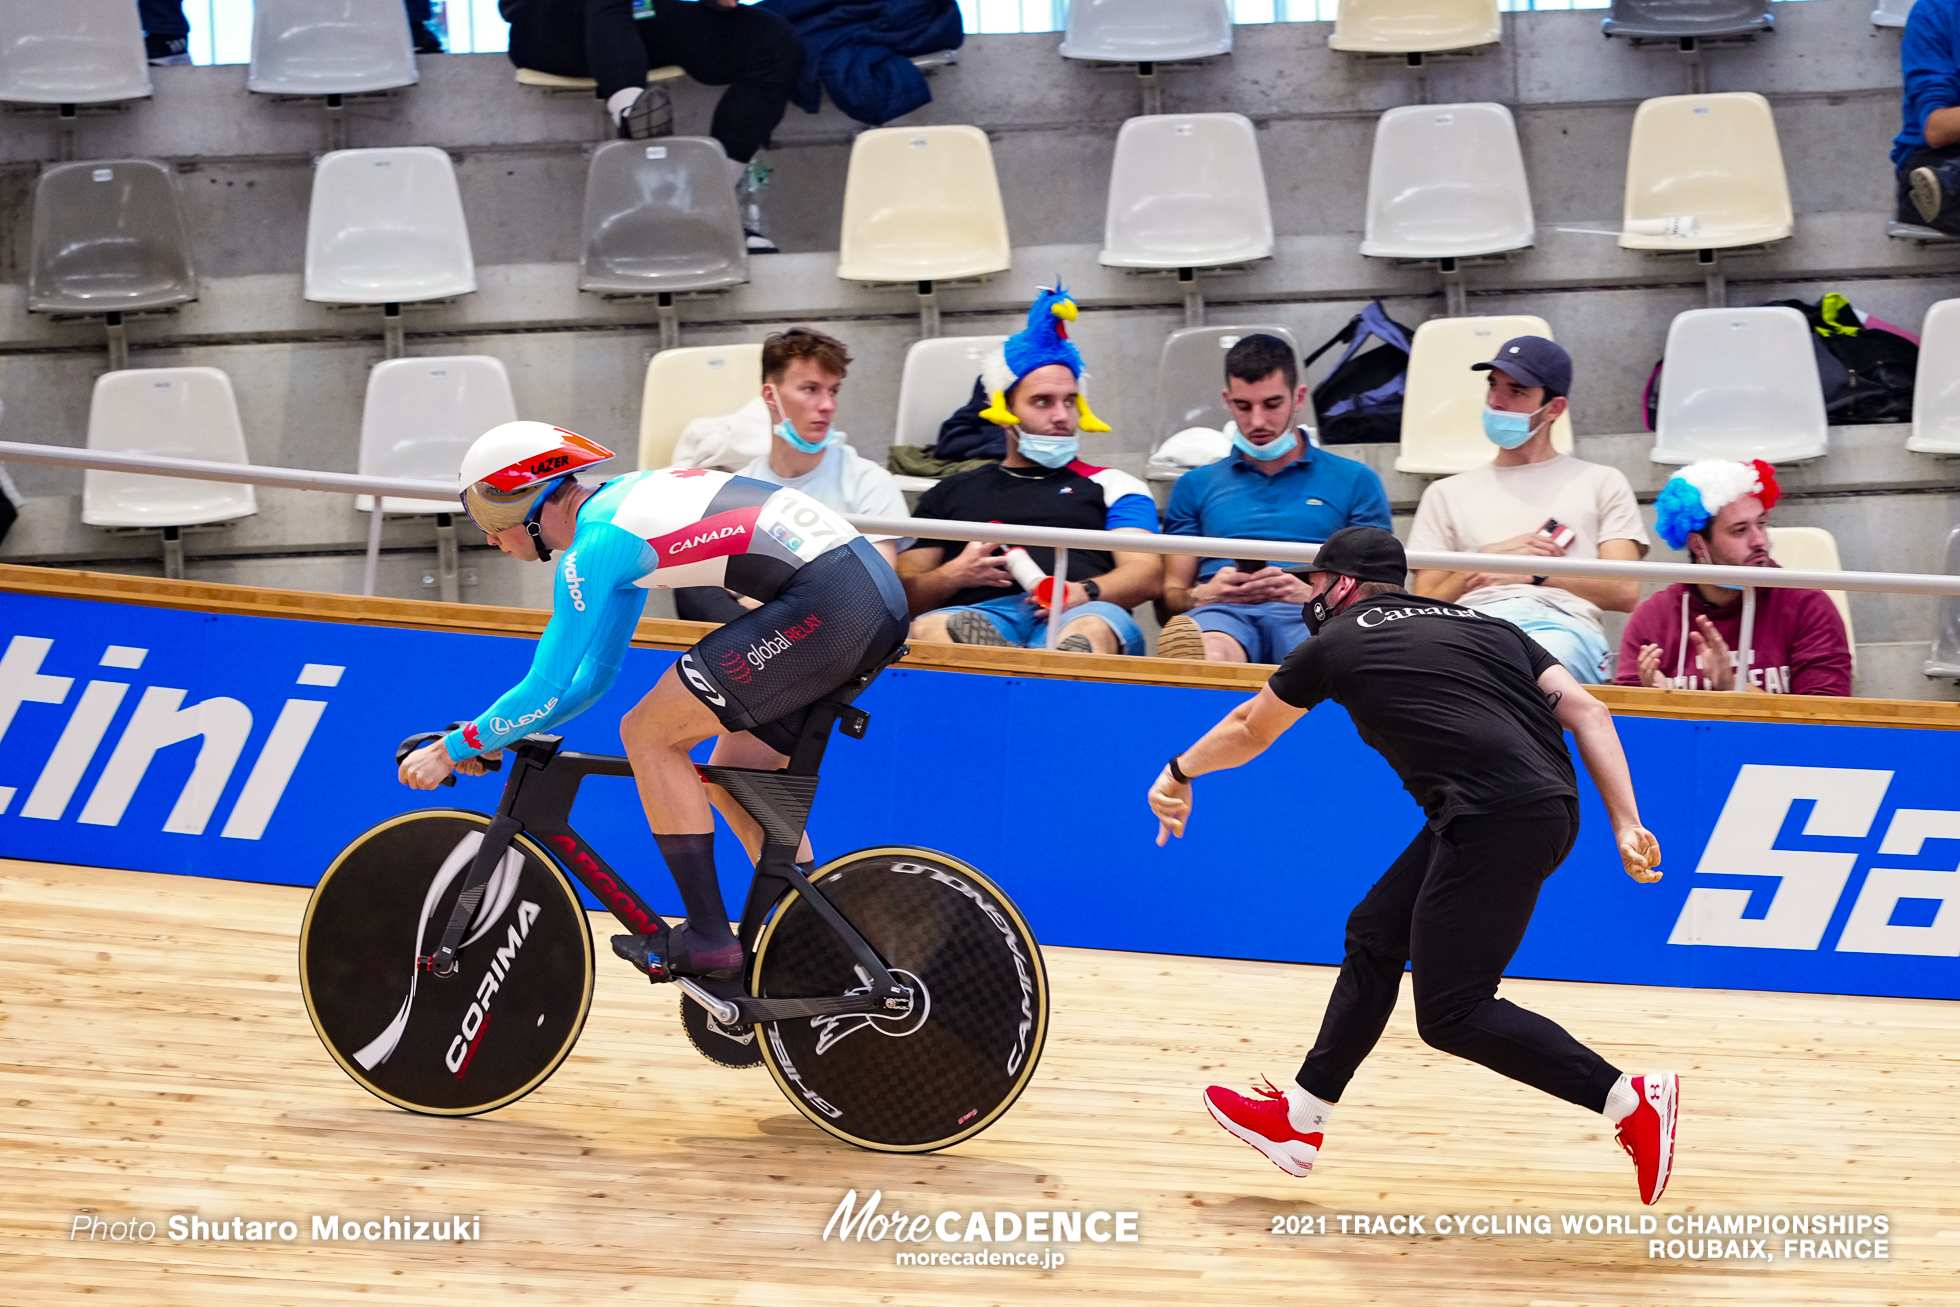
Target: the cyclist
(832, 608)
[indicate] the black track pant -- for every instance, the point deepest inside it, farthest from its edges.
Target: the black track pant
(1456, 904)
(755, 54)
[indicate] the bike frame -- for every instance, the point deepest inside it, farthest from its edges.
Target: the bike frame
(537, 800)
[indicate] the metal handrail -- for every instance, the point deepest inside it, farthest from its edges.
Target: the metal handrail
(1044, 536)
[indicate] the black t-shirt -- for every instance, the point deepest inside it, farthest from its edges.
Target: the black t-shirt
(1076, 496)
(1446, 694)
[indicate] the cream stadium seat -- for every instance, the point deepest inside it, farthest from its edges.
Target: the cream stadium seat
(937, 380)
(661, 216)
(422, 414)
(1447, 181)
(1191, 376)
(1740, 383)
(1442, 426)
(179, 412)
(697, 382)
(1187, 191)
(1705, 172)
(531, 77)
(1413, 26)
(386, 227)
(1147, 31)
(1936, 389)
(71, 52)
(1944, 658)
(922, 204)
(330, 47)
(109, 237)
(1813, 549)
(1891, 13)
(1670, 20)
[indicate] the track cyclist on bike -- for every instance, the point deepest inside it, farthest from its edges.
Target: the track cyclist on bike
(831, 608)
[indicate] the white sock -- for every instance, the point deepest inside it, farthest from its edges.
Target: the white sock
(620, 102)
(1306, 1113)
(1620, 1100)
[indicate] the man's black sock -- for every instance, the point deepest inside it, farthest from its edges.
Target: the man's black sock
(691, 859)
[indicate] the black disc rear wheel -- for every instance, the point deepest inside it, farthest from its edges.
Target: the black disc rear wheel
(951, 1067)
(476, 1040)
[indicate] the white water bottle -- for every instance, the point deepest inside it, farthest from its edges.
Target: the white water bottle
(1022, 567)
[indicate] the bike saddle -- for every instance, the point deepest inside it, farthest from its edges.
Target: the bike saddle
(663, 957)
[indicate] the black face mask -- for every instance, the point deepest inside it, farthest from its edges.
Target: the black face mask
(1316, 612)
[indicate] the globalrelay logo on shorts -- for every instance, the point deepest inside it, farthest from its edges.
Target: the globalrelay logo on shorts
(763, 651)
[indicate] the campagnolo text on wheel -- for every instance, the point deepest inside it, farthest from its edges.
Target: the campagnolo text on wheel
(896, 994)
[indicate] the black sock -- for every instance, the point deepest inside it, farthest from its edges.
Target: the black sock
(691, 859)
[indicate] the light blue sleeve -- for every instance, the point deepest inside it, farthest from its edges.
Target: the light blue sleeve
(1183, 516)
(595, 606)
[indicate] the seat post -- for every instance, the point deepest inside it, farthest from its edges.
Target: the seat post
(118, 341)
(392, 343)
(670, 321)
(1713, 278)
(446, 575)
(173, 553)
(928, 311)
(1697, 70)
(1194, 297)
(1153, 90)
(336, 123)
(1455, 296)
(64, 133)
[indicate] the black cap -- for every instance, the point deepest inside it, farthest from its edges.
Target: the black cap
(1533, 361)
(1366, 553)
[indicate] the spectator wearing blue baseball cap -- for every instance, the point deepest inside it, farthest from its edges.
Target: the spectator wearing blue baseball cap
(1534, 501)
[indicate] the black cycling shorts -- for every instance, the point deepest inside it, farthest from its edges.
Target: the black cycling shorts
(841, 615)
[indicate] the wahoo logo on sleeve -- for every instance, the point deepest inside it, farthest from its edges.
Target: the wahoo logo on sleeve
(712, 537)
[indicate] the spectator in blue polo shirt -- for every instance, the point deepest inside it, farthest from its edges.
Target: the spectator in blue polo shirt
(1926, 152)
(1274, 485)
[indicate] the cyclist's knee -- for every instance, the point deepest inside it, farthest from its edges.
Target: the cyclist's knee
(646, 726)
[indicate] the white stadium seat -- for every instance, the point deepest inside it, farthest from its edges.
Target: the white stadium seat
(420, 416)
(109, 237)
(1705, 172)
(937, 380)
(1442, 423)
(1740, 383)
(700, 381)
(661, 216)
(179, 412)
(71, 52)
(1447, 181)
(1187, 191)
(1813, 549)
(1191, 377)
(330, 47)
(922, 204)
(386, 227)
(1944, 658)
(1147, 31)
(1936, 389)
(1891, 13)
(1414, 26)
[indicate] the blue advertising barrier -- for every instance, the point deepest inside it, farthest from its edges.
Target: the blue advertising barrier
(1802, 857)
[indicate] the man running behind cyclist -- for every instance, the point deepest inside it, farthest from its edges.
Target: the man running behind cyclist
(832, 608)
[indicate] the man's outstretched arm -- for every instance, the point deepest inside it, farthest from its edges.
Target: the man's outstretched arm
(1599, 745)
(1240, 736)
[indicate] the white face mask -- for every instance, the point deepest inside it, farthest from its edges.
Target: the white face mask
(1049, 451)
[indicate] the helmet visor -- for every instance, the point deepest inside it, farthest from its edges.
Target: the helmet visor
(496, 510)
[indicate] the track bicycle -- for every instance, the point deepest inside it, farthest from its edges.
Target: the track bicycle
(896, 994)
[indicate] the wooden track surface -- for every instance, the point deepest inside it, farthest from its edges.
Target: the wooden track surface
(527, 623)
(155, 1058)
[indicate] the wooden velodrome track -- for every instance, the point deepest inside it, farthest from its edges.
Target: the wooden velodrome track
(156, 1061)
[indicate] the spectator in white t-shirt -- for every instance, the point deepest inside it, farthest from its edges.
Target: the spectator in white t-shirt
(1533, 500)
(802, 372)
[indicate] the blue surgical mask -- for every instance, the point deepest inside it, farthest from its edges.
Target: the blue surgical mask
(1049, 451)
(788, 433)
(1278, 447)
(1509, 430)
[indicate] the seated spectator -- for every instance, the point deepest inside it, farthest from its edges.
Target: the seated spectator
(1536, 502)
(421, 29)
(802, 372)
(1273, 486)
(166, 32)
(755, 54)
(964, 592)
(1926, 152)
(1688, 637)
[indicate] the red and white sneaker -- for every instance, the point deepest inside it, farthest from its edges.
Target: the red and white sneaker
(1263, 1123)
(1647, 1132)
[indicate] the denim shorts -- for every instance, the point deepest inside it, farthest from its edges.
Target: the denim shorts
(1574, 641)
(1025, 624)
(1267, 632)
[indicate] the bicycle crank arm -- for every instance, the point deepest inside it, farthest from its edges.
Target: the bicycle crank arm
(744, 1010)
(718, 1008)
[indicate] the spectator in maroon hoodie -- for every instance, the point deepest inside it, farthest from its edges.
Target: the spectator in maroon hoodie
(1687, 636)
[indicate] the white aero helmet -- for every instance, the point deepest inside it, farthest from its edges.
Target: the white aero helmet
(512, 469)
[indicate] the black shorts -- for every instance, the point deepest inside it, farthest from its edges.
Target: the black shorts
(840, 616)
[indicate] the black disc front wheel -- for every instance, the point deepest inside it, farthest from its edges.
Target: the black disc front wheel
(475, 1040)
(949, 1068)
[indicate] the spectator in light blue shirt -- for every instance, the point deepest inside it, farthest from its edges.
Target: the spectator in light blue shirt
(1926, 152)
(1274, 485)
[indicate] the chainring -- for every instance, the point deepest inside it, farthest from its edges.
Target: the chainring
(739, 1047)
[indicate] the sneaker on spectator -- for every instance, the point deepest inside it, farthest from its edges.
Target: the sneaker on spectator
(1928, 194)
(758, 243)
(969, 627)
(167, 51)
(651, 114)
(1181, 638)
(426, 41)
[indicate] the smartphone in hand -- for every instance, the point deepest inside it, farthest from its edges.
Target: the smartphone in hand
(1561, 534)
(1248, 565)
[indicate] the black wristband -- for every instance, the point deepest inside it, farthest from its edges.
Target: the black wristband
(1538, 580)
(1177, 773)
(1091, 589)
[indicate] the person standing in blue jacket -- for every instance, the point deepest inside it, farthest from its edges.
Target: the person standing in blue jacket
(1926, 152)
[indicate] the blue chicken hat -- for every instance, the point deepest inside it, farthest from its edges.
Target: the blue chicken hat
(1042, 342)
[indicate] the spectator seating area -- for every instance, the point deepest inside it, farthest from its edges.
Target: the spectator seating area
(1187, 193)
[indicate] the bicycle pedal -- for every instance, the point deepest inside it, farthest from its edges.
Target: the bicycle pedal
(640, 951)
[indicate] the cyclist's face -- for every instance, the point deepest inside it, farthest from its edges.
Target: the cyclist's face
(516, 542)
(807, 396)
(1044, 402)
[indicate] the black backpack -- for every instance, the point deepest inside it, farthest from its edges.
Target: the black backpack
(1360, 402)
